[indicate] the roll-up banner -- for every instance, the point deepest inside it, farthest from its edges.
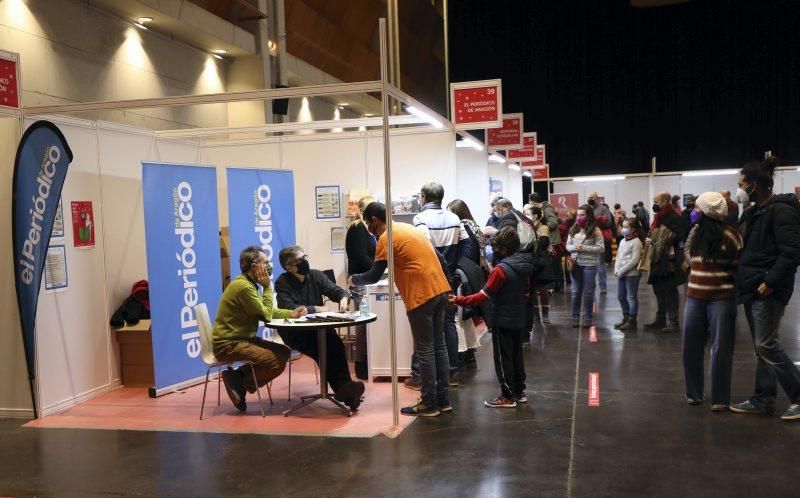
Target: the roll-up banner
(183, 266)
(40, 168)
(260, 213)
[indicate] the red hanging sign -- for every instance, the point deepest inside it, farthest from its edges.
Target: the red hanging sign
(476, 104)
(540, 173)
(563, 203)
(528, 151)
(507, 137)
(9, 79)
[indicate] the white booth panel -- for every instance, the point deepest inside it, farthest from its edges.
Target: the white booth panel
(500, 172)
(630, 191)
(72, 326)
(514, 193)
(670, 183)
(786, 181)
(472, 168)
(696, 185)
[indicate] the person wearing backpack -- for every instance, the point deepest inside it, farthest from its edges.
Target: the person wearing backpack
(765, 281)
(510, 217)
(586, 248)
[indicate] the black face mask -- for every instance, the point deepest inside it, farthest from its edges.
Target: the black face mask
(592, 202)
(303, 268)
(656, 208)
(689, 206)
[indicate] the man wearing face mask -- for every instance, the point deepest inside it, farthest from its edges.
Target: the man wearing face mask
(605, 221)
(667, 233)
(765, 282)
(688, 209)
(302, 286)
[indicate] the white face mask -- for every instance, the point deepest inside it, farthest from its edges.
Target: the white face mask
(742, 197)
(625, 231)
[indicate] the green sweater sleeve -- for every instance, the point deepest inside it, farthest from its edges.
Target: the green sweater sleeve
(261, 306)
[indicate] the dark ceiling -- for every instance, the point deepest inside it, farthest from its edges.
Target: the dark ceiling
(703, 84)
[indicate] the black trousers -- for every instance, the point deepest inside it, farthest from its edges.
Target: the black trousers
(305, 341)
(508, 361)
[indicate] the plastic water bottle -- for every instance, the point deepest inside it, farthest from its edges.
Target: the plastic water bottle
(363, 308)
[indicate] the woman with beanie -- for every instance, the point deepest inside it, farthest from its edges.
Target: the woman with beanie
(626, 269)
(586, 247)
(712, 254)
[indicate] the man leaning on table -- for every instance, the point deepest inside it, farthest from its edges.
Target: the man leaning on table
(421, 281)
(303, 286)
(234, 332)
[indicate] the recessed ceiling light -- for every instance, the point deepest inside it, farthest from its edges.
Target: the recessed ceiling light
(220, 51)
(216, 56)
(140, 26)
(144, 19)
(343, 103)
(368, 115)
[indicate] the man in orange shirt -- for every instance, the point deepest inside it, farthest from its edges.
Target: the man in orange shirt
(420, 279)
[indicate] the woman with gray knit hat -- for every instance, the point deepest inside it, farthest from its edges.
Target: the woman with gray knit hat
(712, 255)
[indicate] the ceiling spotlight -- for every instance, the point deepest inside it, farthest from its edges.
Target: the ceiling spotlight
(216, 56)
(343, 104)
(144, 20)
(140, 26)
(220, 51)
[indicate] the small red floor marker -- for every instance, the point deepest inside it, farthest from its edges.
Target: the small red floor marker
(594, 389)
(592, 334)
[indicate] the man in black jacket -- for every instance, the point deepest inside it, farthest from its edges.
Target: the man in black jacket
(302, 286)
(765, 282)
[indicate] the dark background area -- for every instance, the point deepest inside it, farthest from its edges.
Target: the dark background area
(699, 85)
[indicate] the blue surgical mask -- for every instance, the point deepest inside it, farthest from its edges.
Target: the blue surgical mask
(625, 231)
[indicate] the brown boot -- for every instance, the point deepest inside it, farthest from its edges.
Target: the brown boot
(630, 324)
(546, 313)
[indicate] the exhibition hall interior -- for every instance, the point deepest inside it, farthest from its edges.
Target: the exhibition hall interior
(399, 247)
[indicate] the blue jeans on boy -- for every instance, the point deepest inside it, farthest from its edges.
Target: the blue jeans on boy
(628, 294)
(583, 279)
(774, 365)
(703, 320)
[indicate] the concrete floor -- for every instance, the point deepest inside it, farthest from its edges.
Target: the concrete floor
(643, 440)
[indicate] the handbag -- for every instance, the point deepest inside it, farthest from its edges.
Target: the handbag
(570, 263)
(644, 263)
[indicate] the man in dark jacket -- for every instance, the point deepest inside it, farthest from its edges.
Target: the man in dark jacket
(687, 211)
(302, 286)
(765, 282)
(667, 233)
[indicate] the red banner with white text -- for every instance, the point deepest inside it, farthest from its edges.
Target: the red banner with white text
(476, 105)
(507, 137)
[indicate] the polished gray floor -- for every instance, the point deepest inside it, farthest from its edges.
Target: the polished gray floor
(643, 440)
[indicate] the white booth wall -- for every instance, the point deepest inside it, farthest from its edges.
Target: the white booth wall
(512, 183)
(472, 169)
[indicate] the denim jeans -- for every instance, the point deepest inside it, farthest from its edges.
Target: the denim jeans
(602, 270)
(583, 286)
(628, 294)
(667, 299)
(703, 320)
(427, 331)
(450, 340)
(764, 318)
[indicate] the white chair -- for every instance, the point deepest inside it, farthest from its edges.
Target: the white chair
(293, 357)
(207, 354)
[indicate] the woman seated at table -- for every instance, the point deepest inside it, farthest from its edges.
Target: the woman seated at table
(302, 286)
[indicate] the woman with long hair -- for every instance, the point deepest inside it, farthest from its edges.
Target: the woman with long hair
(586, 247)
(360, 249)
(469, 339)
(544, 274)
(712, 254)
(626, 269)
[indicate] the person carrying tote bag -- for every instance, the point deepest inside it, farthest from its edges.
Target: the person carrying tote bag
(586, 246)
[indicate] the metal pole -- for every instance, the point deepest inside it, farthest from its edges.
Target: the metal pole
(446, 61)
(387, 186)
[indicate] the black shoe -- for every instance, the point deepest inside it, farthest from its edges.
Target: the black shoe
(234, 386)
(350, 394)
(655, 325)
(623, 322)
(629, 325)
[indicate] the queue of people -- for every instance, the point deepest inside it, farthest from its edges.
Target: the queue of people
(457, 279)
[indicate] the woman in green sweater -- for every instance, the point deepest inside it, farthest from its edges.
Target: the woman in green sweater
(234, 332)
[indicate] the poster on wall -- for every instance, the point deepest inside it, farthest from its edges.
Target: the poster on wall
(495, 188)
(476, 105)
(9, 79)
(406, 204)
(507, 137)
(55, 269)
(338, 236)
(181, 226)
(528, 151)
(58, 221)
(328, 202)
(82, 224)
(563, 203)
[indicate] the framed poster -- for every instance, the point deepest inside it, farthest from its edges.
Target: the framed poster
(9, 79)
(82, 224)
(329, 202)
(338, 235)
(55, 269)
(58, 222)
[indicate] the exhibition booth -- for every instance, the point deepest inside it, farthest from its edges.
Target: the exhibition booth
(123, 206)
